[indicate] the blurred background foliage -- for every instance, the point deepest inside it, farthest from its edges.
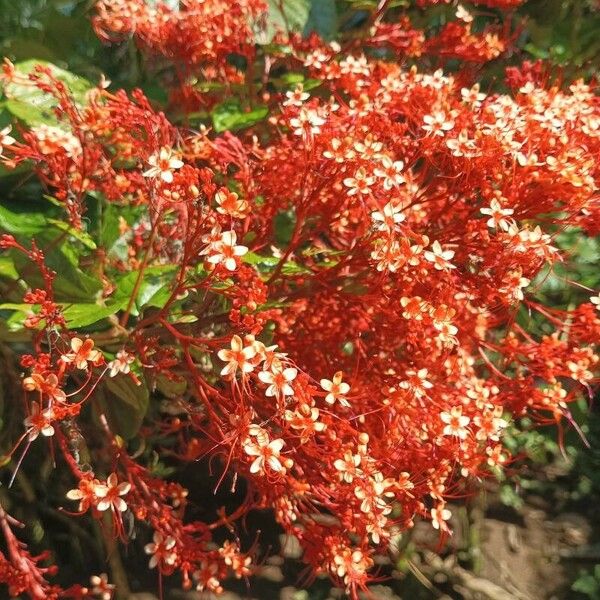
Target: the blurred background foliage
(565, 32)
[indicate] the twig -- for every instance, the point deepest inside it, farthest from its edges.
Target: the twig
(463, 578)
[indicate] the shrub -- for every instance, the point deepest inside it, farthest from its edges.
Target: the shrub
(334, 304)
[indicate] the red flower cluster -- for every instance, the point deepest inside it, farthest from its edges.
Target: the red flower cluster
(357, 370)
(199, 32)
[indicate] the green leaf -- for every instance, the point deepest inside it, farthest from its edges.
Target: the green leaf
(76, 315)
(25, 220)
(322, 19)
(588, 585)
(82, 236)
(284, 224)
(252, 258)
(268, 263)
(171, 388)
(230, 116)
(154, 290)
(7, 268)
(71, 283)
(284, 15)
(291, 80)
(35, 107)
(84, 314)
(125, 404)
(20, 223)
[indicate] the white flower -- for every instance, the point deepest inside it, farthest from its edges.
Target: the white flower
(297, 97)
(337, 389)
(456, 422)
(278, 380)
(437, 123)
(388, 218)
(161, 550)
(121, 363)
(109, 494)
(224, 250)
(238, 357)
(5, 139)
(266, 453)
(439, 257)
(307, 121)
(39, 422)
(163, 164)
(497, 214)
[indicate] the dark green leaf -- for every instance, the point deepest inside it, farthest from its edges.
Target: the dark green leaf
(284, 15)
(283, 226)
(125, 404)
(322, 18)
(230, 116)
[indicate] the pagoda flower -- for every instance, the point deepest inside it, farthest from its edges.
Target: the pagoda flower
(161, 550)
(368, 148)
(163, 164)
(101, 589)
(414, 308)
(109, 494)
(51, 140)
(348, 466)
(596, 301)
(121, 363)
(229, 203)
(225, 251)
(579, 371)
(260, 433)
(437, 123)
(45, 385)
(307, 121)
(206, 577)
(305, 419)
(296, 97)
(439, 516)
(439, 257)
(238, 357)
(5, 138)
(340, 150)
(416, 382)
(497, 215)
(82, 353)
(513, 285)
(391, 172)
(490, 424)
(278, 380)
(267, 454)
(462, 146)
(39, 422)
(336, 389)
(360, 183)
(463, 14)
(473, 95)
(84, 493)
(267, 355)
(236, 560)
(456, 422)
(388, 217)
